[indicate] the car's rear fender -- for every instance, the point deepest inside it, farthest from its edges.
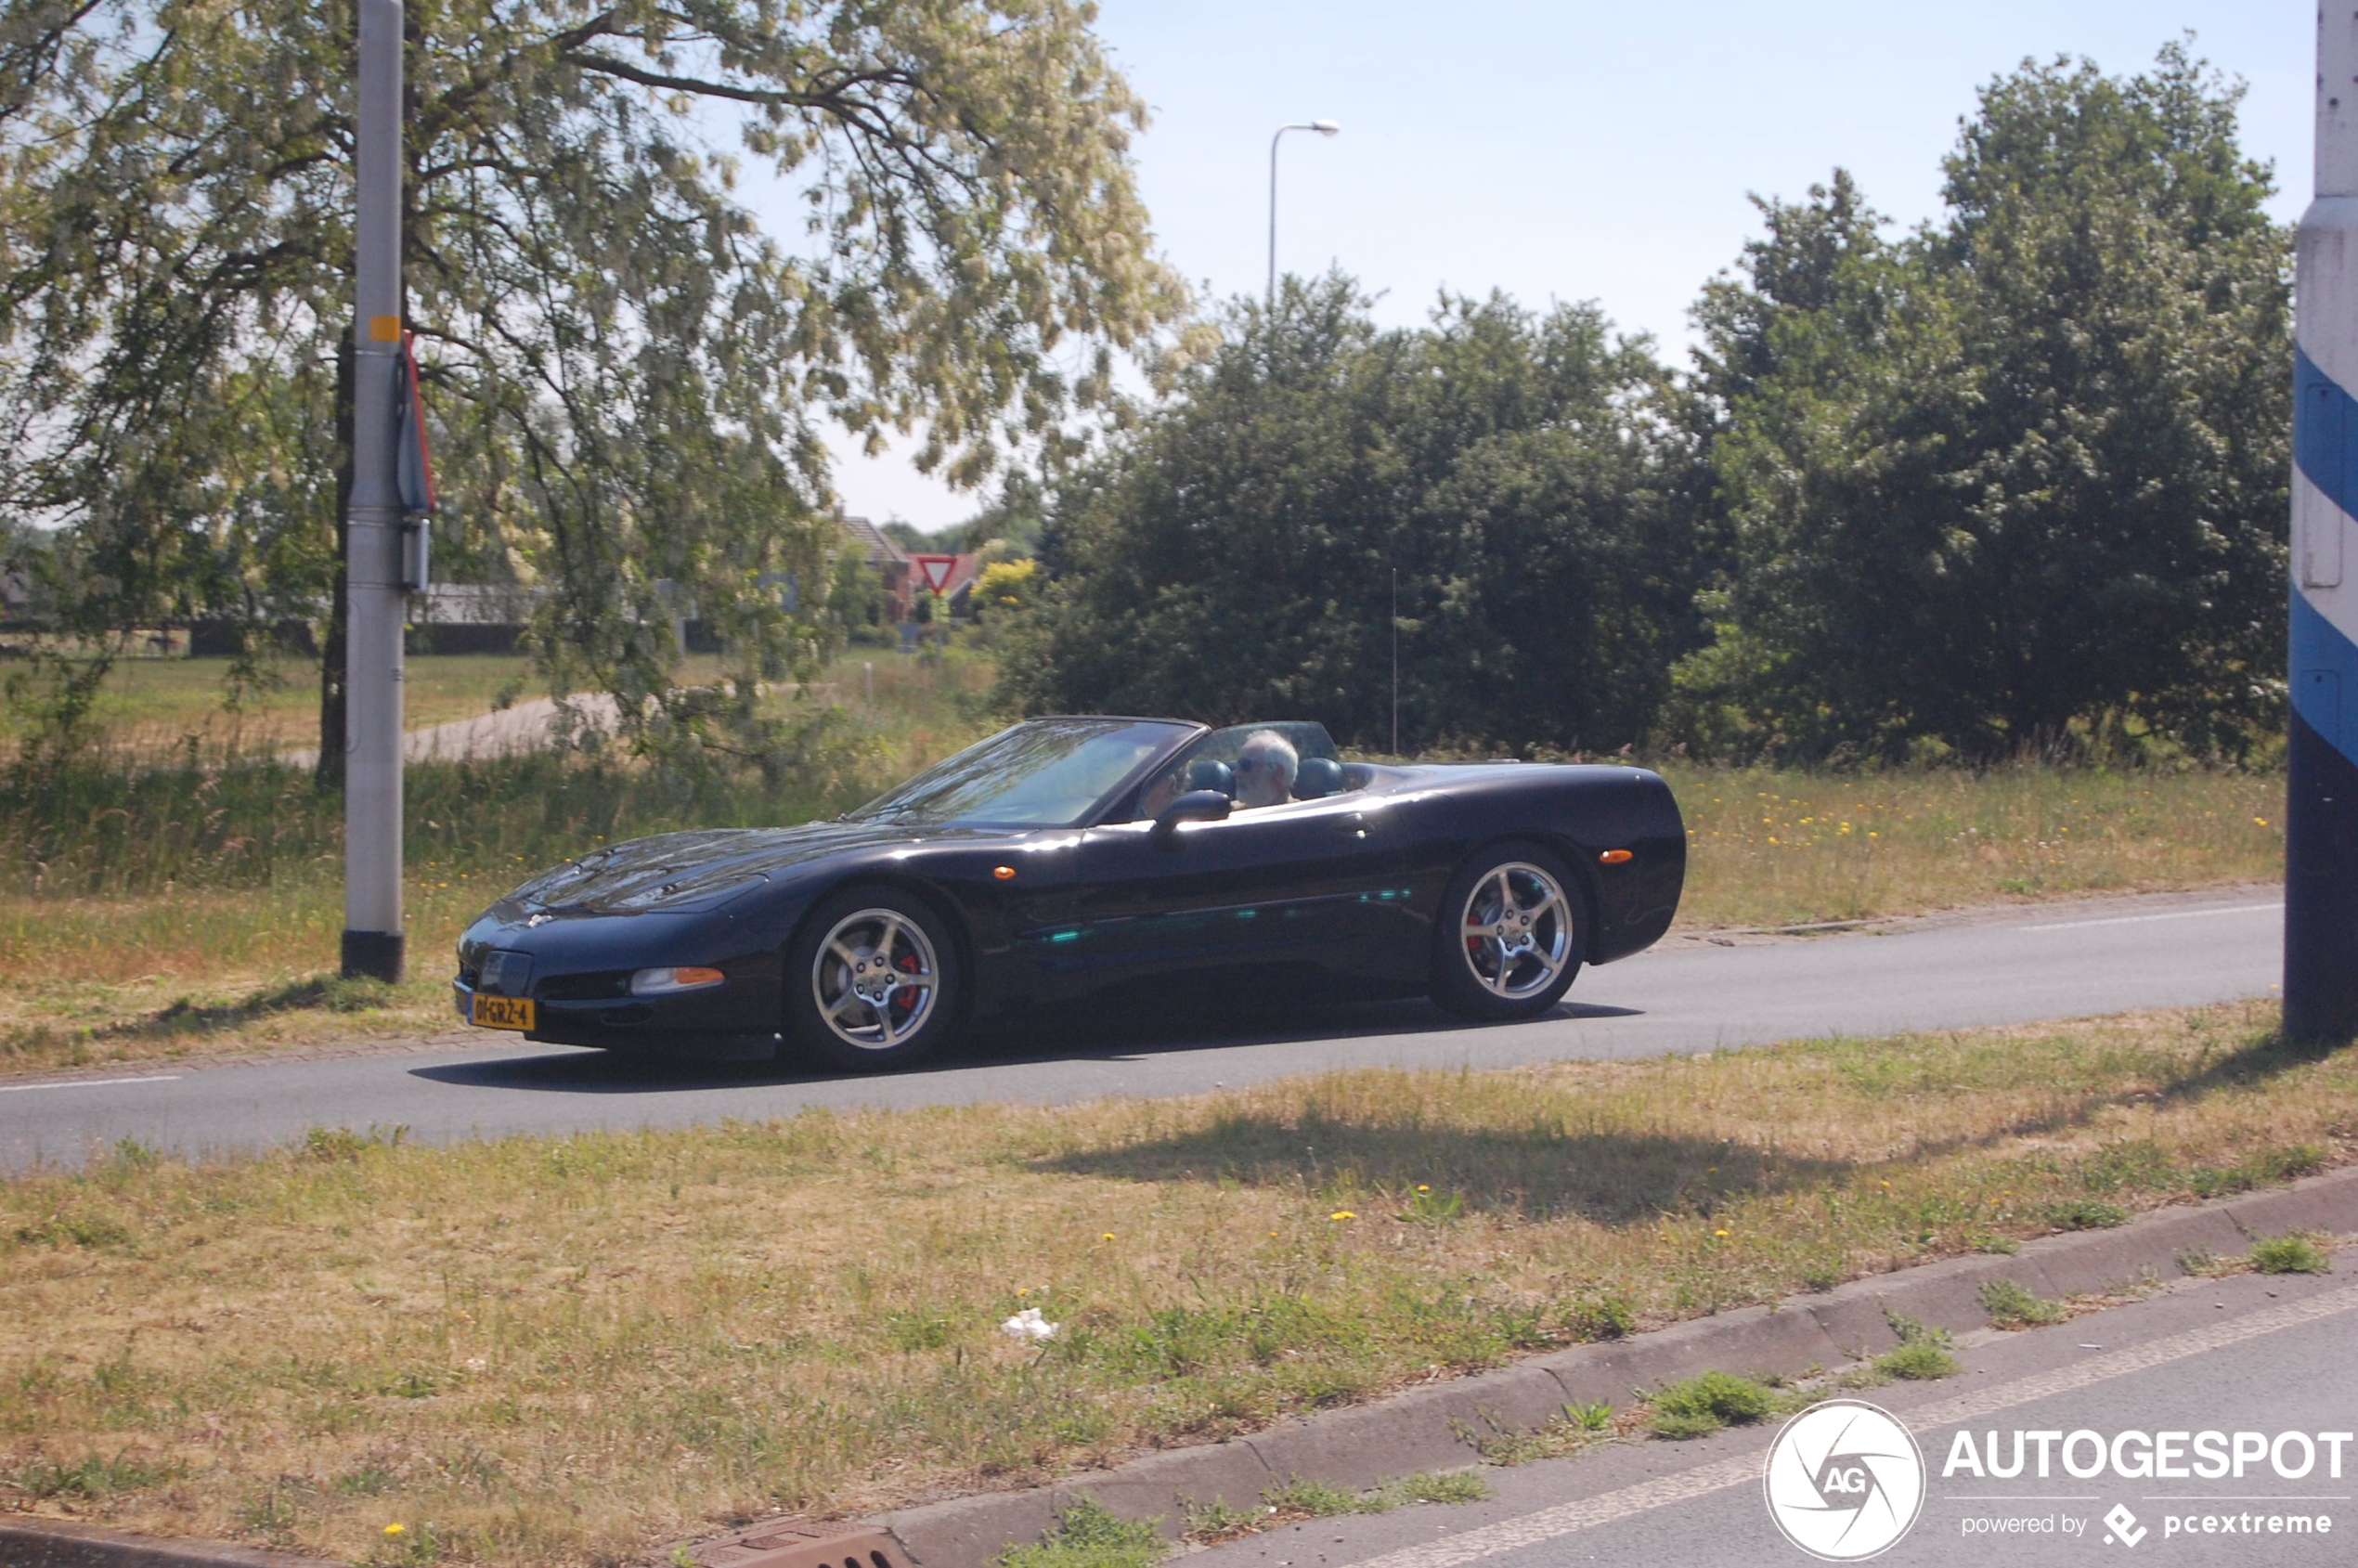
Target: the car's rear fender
(1582, 814)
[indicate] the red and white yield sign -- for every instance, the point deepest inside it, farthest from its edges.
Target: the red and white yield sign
(936, 569)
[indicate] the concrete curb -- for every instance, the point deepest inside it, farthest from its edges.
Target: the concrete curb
(63, 1543)
(1427, 1428)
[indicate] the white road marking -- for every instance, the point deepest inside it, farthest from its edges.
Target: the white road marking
(89, 1083)
(2141, 919)
(1513, 1535)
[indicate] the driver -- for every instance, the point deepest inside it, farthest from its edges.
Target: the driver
(1266, 769)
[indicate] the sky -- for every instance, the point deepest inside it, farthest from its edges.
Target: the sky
(1586, 149)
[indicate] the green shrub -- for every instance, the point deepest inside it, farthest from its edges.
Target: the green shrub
(1436, 1486)
(2011, 1306)
(2086, 1213)
(91, 1478)
(2291, 1255)
(1088, 1535)
(1609, 1317)
(1703, 1404)
(1922, 1360)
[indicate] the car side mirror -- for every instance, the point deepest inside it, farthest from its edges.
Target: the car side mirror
(1196, 806)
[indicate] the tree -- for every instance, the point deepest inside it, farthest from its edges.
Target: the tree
(2026, 471)
(629, 380)
(1235, 558)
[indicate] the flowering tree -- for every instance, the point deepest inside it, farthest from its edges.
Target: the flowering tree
(630, 379)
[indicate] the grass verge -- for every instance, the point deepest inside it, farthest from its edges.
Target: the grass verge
(163, 915)
(539, 1350)
(1774, 847)
(153, 913)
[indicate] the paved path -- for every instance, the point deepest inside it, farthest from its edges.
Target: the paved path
(2254, 1353)
(519, 728)
(2056, 961)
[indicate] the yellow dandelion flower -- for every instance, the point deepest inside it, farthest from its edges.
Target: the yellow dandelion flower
(1108, 1237)
(393, 1530)
(1421, 1188)
(1718, 1233)
(1342, 1214)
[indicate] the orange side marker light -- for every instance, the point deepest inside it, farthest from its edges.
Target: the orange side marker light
(1615, 857)
(1003, 873)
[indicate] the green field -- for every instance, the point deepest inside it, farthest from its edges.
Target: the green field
(153, 708)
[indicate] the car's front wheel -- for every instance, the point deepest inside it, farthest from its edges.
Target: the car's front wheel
(873, 983)
(1511, 933)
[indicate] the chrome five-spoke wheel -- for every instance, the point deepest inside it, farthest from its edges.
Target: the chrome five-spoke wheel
(1510, 937)
(875, 978)
(1517, 931)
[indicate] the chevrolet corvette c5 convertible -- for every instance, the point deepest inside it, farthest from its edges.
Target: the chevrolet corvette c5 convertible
(1075, 858)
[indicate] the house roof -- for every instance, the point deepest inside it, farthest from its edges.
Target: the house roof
(871, 542)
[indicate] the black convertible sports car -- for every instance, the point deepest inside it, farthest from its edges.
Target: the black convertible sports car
(1063, 856)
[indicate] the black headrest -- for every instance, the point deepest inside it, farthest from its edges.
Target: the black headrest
(1205, 773)
(1318, 776)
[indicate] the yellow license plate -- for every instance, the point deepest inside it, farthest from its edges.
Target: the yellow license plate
(501, 1011)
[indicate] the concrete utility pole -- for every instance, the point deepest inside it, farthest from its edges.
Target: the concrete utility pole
(375, 600)
(2321, 819)
(1324, 128)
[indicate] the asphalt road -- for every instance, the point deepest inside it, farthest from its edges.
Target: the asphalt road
(2057, 961)
(2265, 1354)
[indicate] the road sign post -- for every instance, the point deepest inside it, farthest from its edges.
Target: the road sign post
(375, 600)
(2321, 817)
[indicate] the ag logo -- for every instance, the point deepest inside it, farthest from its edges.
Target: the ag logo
(1844, 1481)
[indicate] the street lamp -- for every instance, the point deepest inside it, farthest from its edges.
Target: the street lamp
(1324, 128)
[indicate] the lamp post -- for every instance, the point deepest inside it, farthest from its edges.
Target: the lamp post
(372, 935)
(1324, 128)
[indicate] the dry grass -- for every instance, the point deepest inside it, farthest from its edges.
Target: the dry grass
(88, 981)
(1770, 848)
(563, 1350)
(231, 946)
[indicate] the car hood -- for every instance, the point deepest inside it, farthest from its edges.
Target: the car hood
(702, 869)
(692, 870)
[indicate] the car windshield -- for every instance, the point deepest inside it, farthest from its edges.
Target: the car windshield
(1049, 772)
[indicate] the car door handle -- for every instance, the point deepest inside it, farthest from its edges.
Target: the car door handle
(1350, 824)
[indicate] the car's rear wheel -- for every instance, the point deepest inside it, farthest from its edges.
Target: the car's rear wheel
(1511, 933)
(873, 983)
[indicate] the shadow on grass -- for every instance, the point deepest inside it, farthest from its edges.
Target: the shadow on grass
(320, 993)
(2254, 1063)
(1610, 1177)
(1613, 1178)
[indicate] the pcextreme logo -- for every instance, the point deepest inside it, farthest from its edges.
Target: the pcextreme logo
(1844, 1481)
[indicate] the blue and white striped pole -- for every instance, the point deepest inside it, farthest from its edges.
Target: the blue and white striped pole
(2321, 819)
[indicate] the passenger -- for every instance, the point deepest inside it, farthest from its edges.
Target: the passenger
(1266, 769)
